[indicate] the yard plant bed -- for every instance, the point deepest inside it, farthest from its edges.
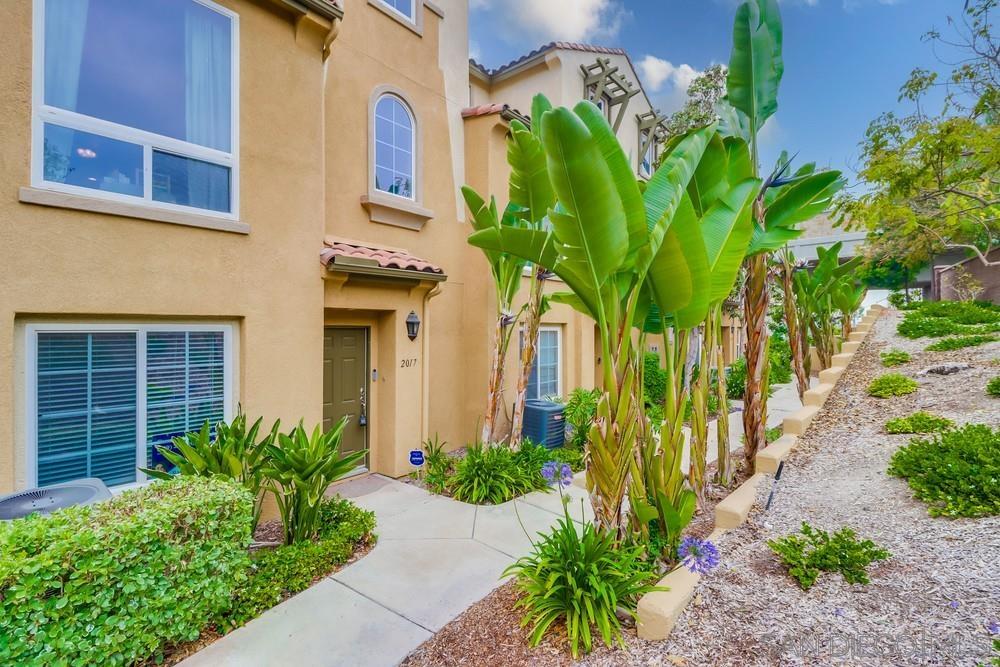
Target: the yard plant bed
(932, 602)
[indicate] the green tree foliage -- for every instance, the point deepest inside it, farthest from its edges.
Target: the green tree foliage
(703, 95)
(935, 177)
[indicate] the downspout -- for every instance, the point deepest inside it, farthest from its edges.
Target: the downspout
(425, 407)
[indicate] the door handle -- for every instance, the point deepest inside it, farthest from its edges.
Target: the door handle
(363, 417)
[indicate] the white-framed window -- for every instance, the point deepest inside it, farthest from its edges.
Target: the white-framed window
(395, 152)
(100, 397)
(648, 161)
(137, 102)
(402, 7)
(546, 373)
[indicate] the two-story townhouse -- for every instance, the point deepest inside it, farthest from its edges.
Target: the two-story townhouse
(163, 171)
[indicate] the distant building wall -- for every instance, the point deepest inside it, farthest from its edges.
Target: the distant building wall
(945, 278)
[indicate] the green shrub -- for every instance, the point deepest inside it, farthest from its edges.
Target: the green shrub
(493, 475)
(916, 326)
(581, 406)
(993, 387)
(113, 583)
(780, 355)
(813, 551)
(962, 312)
(918, 422)
(891, 384)
(654, 379)
(438, 466)
(958, 342)
(569, 455)
(736, 380)
(955, 472)
(894, 358)
(275, 574)
(580, 579)
(299, 469)
(772, 434)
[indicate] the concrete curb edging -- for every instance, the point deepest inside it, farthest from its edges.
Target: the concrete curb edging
(657, 612)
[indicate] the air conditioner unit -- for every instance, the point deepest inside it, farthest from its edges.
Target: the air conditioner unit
(543, 423)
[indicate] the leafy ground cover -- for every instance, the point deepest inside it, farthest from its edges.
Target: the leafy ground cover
(891, 384)
(918, 422)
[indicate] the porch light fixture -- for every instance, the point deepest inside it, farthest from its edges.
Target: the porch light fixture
(412, 325)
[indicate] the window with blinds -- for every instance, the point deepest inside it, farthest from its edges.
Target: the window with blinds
(103, 399)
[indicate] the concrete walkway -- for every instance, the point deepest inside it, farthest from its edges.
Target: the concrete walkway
(434, 558)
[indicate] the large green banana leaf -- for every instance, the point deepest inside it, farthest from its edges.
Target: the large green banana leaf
(755, 64)
(621, 172)
(529, 186)
(727, 228)
(803, 200)
(589, 222)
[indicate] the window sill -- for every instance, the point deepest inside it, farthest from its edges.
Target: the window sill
(396, 211)
(41, 197)
(415, 25)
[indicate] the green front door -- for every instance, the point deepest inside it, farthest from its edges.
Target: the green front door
(345, 384)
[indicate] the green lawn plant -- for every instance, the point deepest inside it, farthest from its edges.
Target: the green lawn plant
(993, 387)
(494, 475)
(954, 472)
(579, 412)
(918, 422)
(117, 582)
(960, 342)
(300, 468)
(891, 384)
(894, 357)
(580, 577)
(807, 554)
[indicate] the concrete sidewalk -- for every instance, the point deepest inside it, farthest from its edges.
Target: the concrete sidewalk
(434, 558)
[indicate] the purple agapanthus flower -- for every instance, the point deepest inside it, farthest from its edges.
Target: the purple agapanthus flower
(993, 627)
(557, 473)
(698, 555)
(954, 604)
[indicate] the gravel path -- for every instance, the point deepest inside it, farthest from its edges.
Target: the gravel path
(927, 605)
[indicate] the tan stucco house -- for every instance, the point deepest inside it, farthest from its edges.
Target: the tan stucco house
(221, 204)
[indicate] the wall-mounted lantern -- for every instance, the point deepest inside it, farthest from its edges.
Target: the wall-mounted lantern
(412, 325)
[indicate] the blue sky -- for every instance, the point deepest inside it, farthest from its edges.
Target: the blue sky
(844, 59)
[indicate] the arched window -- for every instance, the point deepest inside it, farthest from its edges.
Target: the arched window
(394, 147)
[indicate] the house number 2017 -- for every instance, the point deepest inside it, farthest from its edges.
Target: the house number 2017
(407, 363)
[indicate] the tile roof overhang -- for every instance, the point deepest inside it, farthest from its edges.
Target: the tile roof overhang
(348, 256)
(505, 111)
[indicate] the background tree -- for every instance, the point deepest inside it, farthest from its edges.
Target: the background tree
(935, 179)
(703, 96)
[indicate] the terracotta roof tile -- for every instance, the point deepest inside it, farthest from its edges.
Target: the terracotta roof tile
(572, 46)
(386, 258)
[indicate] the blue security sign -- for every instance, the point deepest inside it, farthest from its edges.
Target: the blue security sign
(416, 457)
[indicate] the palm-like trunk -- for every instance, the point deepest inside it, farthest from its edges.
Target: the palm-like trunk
(699, 413)
(755, 303)
(494, 395)
(724, 465)
(614, 435)
(531, 324)
(793, 324)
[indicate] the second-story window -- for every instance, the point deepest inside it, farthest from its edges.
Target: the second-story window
(404, 7)
(136, 102)
(394, 163)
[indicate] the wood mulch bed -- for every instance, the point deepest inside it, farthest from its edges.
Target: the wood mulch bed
(931, 603)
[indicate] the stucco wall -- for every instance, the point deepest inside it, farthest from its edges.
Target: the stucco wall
(988, 276)
(63, 264)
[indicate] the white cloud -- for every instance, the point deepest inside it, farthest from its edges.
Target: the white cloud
(655, 72)
(557, 20)
(474, 51)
